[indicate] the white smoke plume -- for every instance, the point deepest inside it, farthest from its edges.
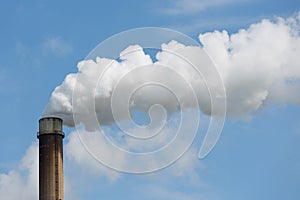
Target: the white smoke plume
(259, 67)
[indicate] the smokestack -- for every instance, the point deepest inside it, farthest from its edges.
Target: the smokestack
(51, 176)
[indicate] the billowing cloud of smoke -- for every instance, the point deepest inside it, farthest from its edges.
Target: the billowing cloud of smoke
(259, 66)
(95, 85)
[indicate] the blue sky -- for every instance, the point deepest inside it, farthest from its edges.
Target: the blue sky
(42, 41)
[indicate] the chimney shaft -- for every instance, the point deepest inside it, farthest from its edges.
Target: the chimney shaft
(51, 176)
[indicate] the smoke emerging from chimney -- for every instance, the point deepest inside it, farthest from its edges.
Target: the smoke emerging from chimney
(259, 66)
(244, 72)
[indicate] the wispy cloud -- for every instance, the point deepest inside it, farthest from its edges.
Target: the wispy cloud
(161, 192)
(36, 55)
(21, 183)
(185, 168)
(2, 77)
(199, 25)
(193, 6)
(57, 46)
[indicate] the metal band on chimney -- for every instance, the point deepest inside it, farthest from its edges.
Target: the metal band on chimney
(50, 125)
